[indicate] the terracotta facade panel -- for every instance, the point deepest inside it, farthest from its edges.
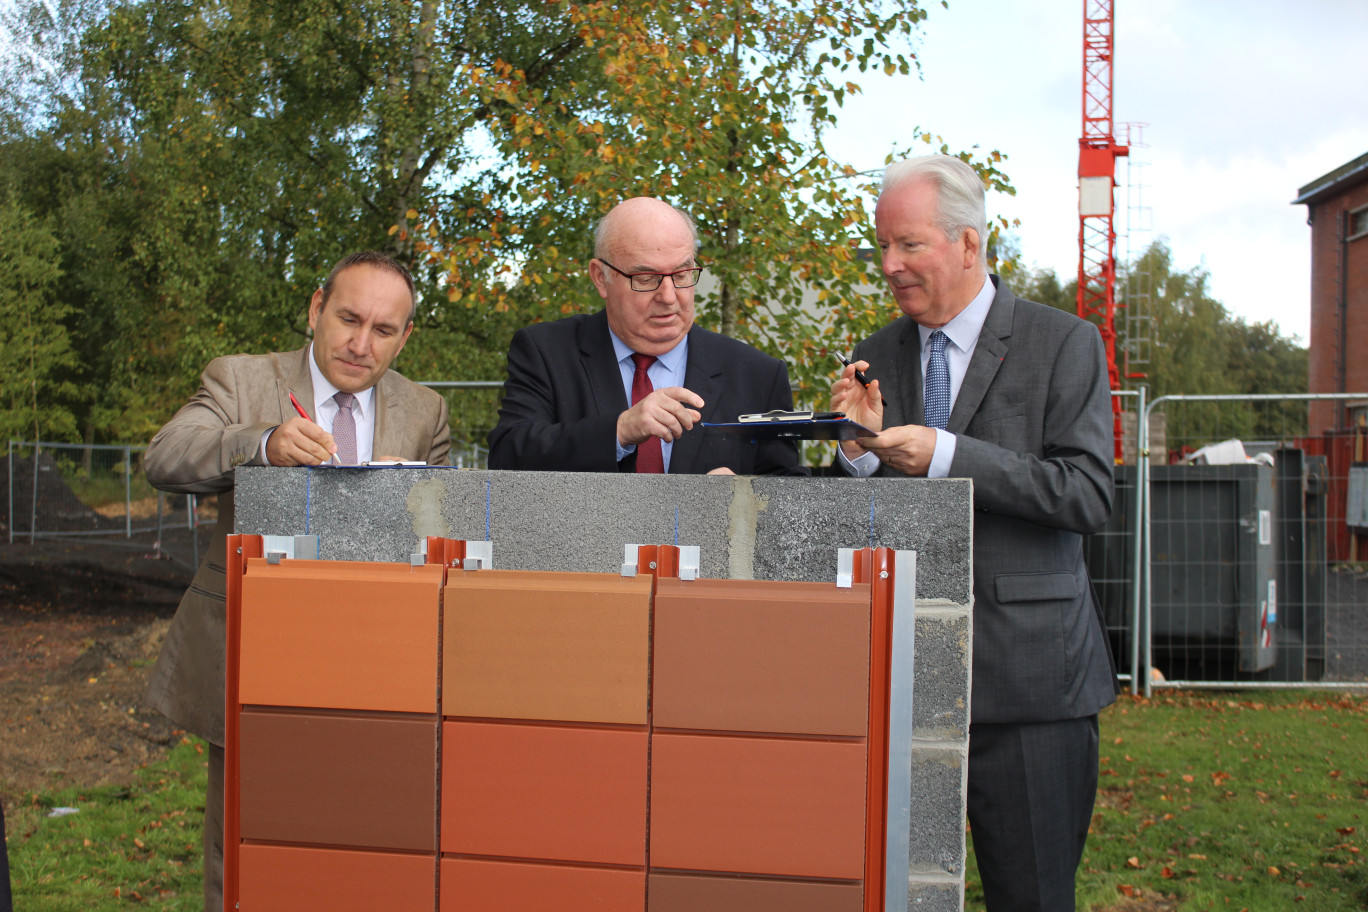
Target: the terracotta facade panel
(693, 893)
(787, 658)
(363, 640)
(476, 885)
(295, 879)
(518, 648)
(338, 780)
(544, 792)
(758, 805)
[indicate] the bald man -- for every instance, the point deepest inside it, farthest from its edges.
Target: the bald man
(625, 389)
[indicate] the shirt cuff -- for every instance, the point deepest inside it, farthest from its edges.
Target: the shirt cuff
(265, 437)
(943, 455)
(862, 466)
(624, 451)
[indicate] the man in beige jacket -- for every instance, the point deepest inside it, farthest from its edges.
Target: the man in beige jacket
(242, 415)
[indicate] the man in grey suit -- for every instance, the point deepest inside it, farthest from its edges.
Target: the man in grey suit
(243, 415)
(981, 384)
(624, 389)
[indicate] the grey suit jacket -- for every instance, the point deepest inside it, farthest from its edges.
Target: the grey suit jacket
(1033, 431)
(564, 394)
(219, 429)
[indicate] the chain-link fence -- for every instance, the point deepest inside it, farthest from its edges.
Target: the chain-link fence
(1252, 563)
(98, 494)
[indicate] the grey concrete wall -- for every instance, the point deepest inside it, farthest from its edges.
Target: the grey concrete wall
(745, 528)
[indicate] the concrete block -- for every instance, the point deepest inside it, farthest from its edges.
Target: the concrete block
(935, 897)
(800, 523)
(938, 795)
(940, 702)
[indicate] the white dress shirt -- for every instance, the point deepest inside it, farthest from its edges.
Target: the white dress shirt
(962, 332)
(325, 412)
(668, 370)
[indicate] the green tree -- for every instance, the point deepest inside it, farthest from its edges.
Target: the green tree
(721, 110)
(35, 353)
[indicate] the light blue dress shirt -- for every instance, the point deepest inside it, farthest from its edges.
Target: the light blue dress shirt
(668, 370)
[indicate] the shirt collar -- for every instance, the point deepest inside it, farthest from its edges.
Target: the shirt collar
(672, 360)
(964, 329)
(323, 390)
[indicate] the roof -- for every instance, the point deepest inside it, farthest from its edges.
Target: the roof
(1343, 177)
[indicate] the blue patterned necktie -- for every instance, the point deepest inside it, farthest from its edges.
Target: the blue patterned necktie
(344, 429)
(938, 383)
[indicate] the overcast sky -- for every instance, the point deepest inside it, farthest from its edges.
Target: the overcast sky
(1245, 101)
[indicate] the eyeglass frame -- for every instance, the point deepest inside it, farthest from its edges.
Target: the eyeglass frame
(659, 276)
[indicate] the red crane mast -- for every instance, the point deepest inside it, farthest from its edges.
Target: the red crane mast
(1098, 151)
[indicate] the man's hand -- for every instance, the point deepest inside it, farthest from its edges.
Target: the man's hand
(908, 448)
(665, 413)
(861, 404)
(298, 442)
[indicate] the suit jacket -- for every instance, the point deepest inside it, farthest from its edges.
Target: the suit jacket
(219, 429)
(1034, 431)
(564, 394)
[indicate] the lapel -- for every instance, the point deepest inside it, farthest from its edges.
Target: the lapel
(987, 358)
(904, 377)
(391, 418)
(599, 364)
(297, 379)
(702, 375)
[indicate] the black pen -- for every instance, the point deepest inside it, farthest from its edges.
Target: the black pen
(859, 375)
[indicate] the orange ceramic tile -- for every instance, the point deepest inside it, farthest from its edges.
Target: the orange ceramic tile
(291, 879)
(544, 792)
(696, 892)
(750, 656)
(558, 647)
(339, 780)
(362, 637)
(476, 885)
(758, 805)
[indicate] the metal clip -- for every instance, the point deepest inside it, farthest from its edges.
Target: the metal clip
(688, 562)
(845, 567)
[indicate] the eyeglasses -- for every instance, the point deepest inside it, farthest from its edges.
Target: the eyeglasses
(650, 281)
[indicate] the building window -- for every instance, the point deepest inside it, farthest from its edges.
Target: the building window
(1358, 223)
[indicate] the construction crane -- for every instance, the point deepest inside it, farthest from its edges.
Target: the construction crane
(1098, 151)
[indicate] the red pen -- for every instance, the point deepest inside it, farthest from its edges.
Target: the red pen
(298, 408)
(305, 415)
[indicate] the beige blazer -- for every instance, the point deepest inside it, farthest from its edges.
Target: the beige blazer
(219, 429)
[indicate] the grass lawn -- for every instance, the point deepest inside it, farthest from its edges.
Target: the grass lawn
(127, 845)
(1241, 801)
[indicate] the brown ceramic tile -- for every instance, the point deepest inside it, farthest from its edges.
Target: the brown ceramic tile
(295, 879)
(545, 792)
(339, 780)
(790, 658)
(558, 647)
(315, 634)
(758, 805)
(694, 893)
(475, 885)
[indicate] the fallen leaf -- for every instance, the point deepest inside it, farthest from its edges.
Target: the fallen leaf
(1273, 872)
(1133, 862)
(1125, 889)
(1166, 872)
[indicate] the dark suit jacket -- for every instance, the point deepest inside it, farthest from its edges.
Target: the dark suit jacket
(197, 451)
(1033, 422)
(564, 394)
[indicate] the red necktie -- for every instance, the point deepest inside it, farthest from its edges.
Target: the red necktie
(649, 457)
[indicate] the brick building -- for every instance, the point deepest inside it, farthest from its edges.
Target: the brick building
(1337, 205)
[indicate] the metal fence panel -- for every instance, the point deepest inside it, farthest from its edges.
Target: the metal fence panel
(1251, 575)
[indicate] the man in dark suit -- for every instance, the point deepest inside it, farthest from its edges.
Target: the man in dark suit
(242, 415)
(1016, 397)
(623, 390)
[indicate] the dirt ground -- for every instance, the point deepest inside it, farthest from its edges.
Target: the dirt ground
(80, 627)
